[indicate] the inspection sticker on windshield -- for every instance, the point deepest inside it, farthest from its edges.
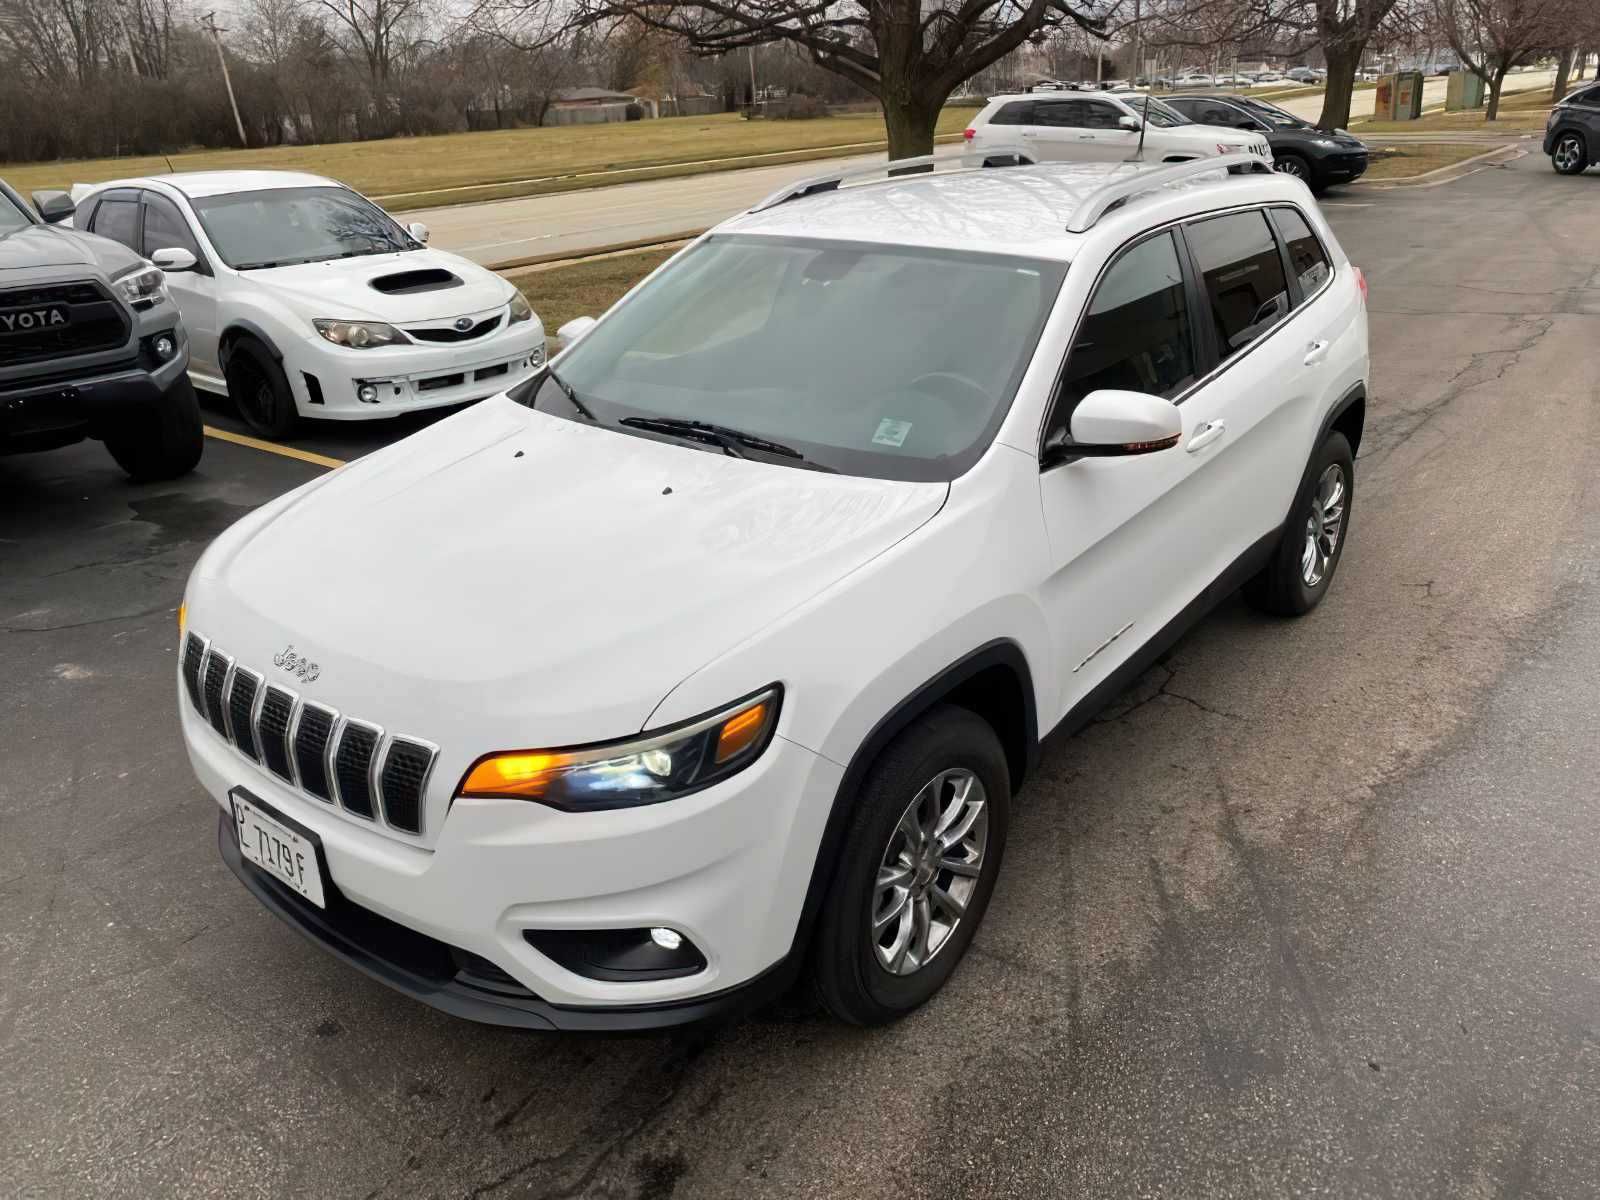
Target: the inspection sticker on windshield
(891, 432)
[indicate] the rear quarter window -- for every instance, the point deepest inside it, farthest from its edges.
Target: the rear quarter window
(1307, 259)
(1018, 112)
(1242, 274)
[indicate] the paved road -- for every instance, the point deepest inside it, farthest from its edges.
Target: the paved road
(502, 231)
(1311, 911)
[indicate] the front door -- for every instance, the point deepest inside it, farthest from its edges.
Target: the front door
(1080, 130)
(194, 291)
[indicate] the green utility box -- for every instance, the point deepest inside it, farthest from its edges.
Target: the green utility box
(1464, 90)
(1399, 97)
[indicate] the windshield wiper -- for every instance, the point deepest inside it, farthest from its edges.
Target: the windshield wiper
(733, 441)
(570, 393)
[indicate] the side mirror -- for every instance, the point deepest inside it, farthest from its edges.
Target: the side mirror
(575, 329)
(418, 232)
(1115, 424)
(174, 258)
(1131, 124)
(54, 207)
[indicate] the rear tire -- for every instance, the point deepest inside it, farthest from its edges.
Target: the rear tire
(890, 935)
(260, 391)
(1307, 555)
(167, 443)
(1571, 154)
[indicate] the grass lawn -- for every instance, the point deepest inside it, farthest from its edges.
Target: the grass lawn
(585, 289)
(1520, 112)
(501, 158)
(1418, 158)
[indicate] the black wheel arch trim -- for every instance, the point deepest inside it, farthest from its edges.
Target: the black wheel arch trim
(244, 327)
(1001, 652)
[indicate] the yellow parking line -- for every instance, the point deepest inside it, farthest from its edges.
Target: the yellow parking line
(239, 439)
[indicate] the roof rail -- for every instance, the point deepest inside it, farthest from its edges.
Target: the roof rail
(1102, 200)
(996, 156)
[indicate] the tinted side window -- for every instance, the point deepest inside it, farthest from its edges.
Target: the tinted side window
(165, 228)
(119, 221)
(1588, 99)
(1242, 273)
(1018, 112)
(1307, 259)
(1226, 114)
(1059, 114)
(1136, 334)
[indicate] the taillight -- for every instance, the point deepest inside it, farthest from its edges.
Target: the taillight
(1361, 282)
(969, 133)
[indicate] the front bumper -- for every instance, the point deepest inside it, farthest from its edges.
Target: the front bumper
(327, 379)
(47, 409)
(1343, 167)
(728, 867)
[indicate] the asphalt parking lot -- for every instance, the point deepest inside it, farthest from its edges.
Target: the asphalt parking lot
(1313, 910)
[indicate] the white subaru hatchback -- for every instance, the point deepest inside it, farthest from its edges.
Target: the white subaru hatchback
(304, 299)
(716, 653)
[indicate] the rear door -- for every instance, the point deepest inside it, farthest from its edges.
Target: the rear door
(1079, 130)
(165, 228)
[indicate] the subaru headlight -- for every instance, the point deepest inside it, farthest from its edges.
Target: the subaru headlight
(521, 310)
(642, 770)
(142, 287)
(359, 335)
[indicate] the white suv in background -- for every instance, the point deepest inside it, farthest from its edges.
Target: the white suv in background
(303, 298)
(716, 653)
(1100, 126)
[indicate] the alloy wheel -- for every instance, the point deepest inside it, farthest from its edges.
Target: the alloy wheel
(1324, 526)
(929, 871)
(1290, 166)
(1568, 151)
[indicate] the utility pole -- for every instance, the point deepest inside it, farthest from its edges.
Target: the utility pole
(1138, 51)
(210, 23)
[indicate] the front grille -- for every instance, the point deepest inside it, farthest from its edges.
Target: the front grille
(89, 321)
(405, 772)
(352, 768)
(272, 728)
(311, 748)
(440, 381)
(451, 334)
(378, 778)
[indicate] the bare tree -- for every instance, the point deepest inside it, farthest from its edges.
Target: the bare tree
(909, 54)
(1492, 36)
(374, 27)
(1343, 28)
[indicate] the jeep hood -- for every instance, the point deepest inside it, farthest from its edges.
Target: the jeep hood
(507, 578)
(1214, 135)
(343, 287)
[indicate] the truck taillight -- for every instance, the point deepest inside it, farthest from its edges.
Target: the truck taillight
(969, 133)
(1361, 282)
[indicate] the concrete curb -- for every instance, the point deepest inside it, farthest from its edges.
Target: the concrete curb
(1445, 174)
(546, 262)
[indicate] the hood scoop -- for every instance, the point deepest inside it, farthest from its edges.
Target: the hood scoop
(410, 283)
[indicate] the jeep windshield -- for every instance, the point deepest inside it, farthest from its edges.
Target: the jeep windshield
(281, 227)
(1273, 115)
(889, 361)
(1159, 115)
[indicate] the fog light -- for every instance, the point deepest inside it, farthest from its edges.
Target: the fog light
(667, 939)
(537, 357)
(165, 348)
(620, 955)
(367, 393)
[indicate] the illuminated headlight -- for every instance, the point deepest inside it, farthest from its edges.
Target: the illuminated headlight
(359, 335)
(143, 287)
(521, 310)
(645, 770)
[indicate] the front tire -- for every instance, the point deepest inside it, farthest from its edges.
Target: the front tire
(1307, 555)
(259, 389)
(1571, 154)
(917, 869)
(167, 443)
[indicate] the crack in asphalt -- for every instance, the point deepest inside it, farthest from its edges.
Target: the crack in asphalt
(137, 616)
(1112, 713)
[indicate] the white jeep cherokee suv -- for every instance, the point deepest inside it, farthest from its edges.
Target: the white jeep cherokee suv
(303, 298)
(1102, 127)
(716, 652)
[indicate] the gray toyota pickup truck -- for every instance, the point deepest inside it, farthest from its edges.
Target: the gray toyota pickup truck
(90, 346)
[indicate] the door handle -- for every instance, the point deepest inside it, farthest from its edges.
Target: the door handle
(1086, 137)
(1205, 435)
(1315, 353)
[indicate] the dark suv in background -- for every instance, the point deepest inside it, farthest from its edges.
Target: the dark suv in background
(1299, 148)
(90, 346)
(1572, 135)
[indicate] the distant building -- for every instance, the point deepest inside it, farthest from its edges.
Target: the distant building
(592, 106)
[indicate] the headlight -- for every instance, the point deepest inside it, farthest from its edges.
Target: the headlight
(359, 335)
(644, 770)
(143, 287)
(1329, 142)
(521, 310)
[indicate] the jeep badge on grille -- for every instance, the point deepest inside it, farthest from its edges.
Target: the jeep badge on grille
(296, 664)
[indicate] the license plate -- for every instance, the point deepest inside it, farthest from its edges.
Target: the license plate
(278, 850)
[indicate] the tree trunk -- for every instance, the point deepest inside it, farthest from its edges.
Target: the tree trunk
(1343, 59)
(1563, 71)
(1495, 85)
(910, 124)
